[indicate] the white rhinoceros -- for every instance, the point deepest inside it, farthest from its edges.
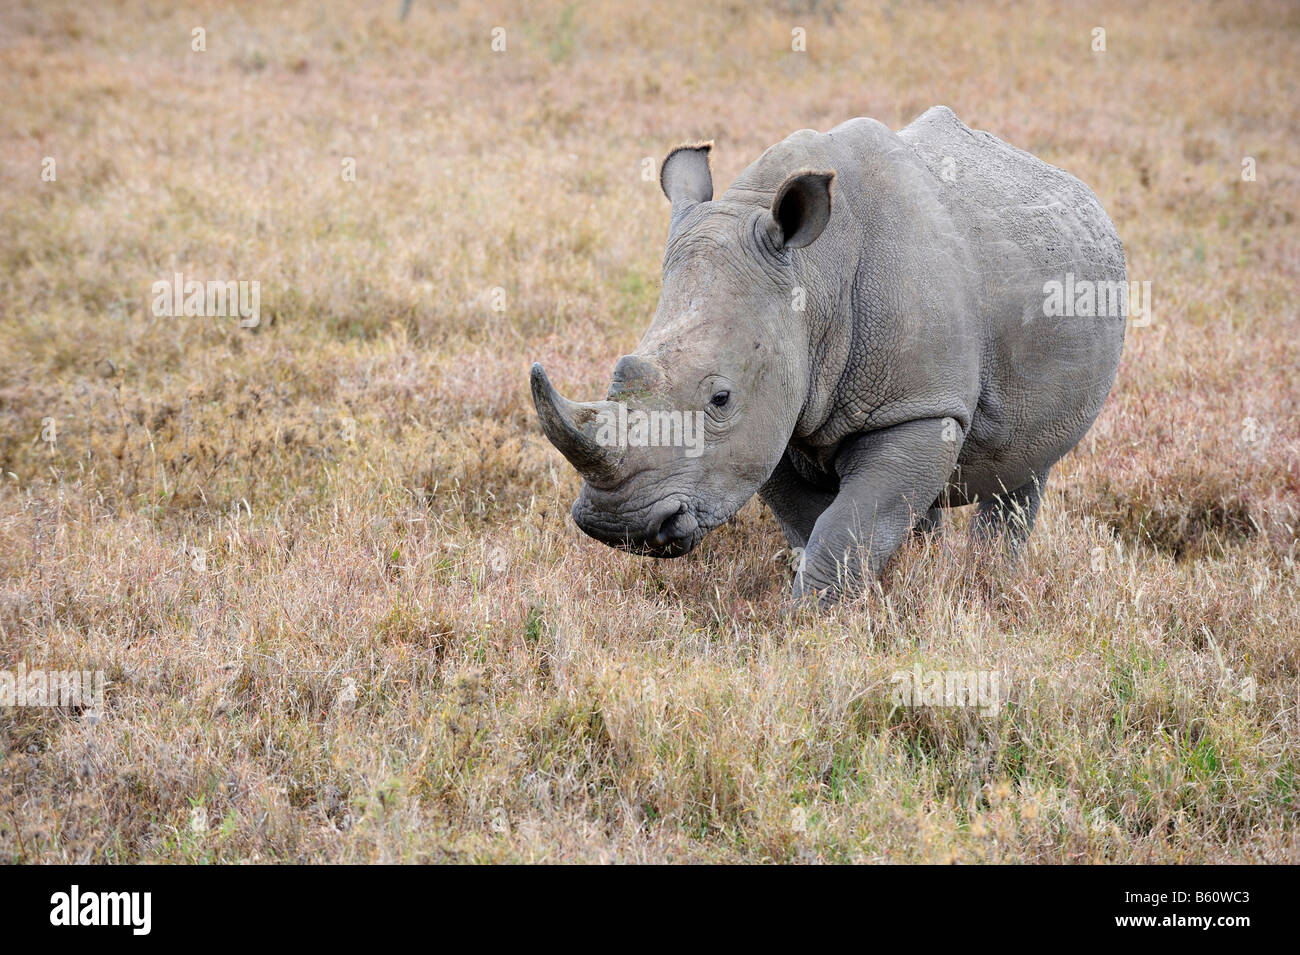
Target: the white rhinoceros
(863, 330)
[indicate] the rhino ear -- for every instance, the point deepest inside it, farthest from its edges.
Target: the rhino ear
(802, 207)
(685, 174)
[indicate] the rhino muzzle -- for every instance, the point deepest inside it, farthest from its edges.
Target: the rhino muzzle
(669, 529)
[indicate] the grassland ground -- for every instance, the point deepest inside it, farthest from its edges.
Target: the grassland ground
(326, 564)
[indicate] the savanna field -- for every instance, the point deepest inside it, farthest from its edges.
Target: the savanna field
(326, 563)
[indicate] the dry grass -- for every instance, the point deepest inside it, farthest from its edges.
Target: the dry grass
(377, 505)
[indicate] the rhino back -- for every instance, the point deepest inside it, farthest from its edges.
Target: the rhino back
(1011, 201)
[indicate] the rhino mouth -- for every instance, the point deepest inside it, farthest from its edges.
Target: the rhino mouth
(669, 529)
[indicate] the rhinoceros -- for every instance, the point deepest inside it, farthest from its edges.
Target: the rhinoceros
(861, 330)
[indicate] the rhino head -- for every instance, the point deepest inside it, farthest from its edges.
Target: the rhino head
(698, 417)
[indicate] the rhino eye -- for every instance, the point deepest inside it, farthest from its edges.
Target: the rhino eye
(720, 399)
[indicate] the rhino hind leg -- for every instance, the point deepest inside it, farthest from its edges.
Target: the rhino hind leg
(930, 523)
(1010, 517)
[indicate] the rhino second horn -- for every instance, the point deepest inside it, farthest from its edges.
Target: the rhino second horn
(572, 427)
(633, 375)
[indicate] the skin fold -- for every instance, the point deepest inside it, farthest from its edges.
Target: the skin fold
(862, 326)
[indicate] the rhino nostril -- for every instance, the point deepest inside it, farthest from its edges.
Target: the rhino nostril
(669, 526)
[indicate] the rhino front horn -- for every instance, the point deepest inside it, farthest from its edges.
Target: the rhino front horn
(573, 427)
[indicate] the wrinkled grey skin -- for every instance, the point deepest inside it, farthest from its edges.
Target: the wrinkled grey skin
(921, 373)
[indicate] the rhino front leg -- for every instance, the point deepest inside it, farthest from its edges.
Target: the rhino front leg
(887, 478)
(796, 503)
